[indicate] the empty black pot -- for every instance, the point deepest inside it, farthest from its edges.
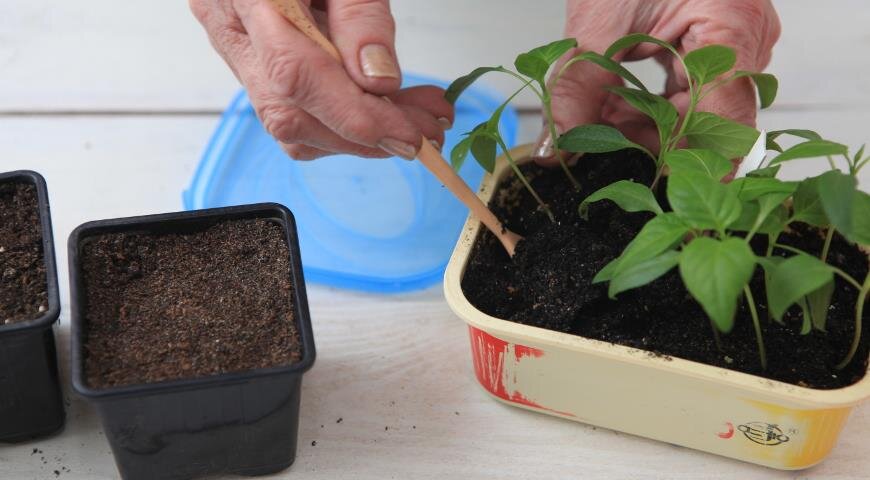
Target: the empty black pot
(242, 423)
(31, 404)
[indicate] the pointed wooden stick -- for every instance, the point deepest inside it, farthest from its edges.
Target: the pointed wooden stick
(428, 155)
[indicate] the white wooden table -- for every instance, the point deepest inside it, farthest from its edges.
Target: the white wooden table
(113, 102)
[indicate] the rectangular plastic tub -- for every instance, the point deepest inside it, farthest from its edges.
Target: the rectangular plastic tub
(242, 423)
(31, 404)
(669, 399)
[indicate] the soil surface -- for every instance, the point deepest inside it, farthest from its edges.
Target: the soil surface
(173, 306)
(23, 284)
(548, 283)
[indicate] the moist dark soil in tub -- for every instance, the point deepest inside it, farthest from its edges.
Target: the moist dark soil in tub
(174, 306)
(23, 284)
(548, 284)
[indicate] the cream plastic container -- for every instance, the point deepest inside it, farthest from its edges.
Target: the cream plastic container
(677, 401)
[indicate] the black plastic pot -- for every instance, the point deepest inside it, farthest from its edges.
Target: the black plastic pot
(241, 423)
(31, 404)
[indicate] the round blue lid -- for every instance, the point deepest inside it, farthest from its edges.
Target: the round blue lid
(367, 224)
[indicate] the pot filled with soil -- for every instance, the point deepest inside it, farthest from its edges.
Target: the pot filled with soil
(31, 404)
(650, 295)
(190, 336)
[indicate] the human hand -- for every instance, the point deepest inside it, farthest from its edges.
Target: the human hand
(751, 27)
(310, 103)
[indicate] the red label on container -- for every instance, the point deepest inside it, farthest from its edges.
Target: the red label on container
(494, 360)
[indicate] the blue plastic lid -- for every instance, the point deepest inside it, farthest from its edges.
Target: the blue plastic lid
(367, 224)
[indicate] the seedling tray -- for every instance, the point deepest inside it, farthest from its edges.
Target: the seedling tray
(241, 423)
(31, 404)
(686, 403)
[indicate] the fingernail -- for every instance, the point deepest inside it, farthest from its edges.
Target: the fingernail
(376, 61)
(445, 123)
(435, 144)
(398, 148)
(544, 146)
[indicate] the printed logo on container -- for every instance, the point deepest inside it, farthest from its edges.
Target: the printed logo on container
(763, 433)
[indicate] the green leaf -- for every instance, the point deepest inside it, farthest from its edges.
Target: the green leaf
(837, 193)
(750, 188)
(553, 50)
(765, 83)
(532, 66)
(818, 303)
(460, 153)
(643, 273)
(537, 61)
(860, 233)
(483, 147)
(715, 273)
(606, 273)
(630, 196)
(462, 83)
(705, 162)
(766, 172)
(772, 145)
(764, 205)
(769, 202)
(793, 279)
(594, 139)
(702, 202)
(773, 221)
(769, 264)
(634, 39)
(612, 67)
(794, 132)
(663, 112)
(807, 206)
(707, 63)
(811, 149)
(662, 233)
(859, 153)
(807, 325)
(726, 137)
(776, 221)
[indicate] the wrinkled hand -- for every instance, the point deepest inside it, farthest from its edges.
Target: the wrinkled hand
(310, 103)
(751, 27)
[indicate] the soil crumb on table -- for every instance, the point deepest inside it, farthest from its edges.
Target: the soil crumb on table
(174, 306)
(23, 284)
(548, 283)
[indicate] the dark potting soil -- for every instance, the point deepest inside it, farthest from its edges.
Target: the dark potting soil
(23, 284)
(548, 283)
(173, 306)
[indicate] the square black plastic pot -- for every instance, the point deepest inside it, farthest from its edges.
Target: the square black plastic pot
(241, 423)
(31, 404)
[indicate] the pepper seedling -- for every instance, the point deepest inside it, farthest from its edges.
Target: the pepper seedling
(485, 139)
(707, 232)
(705, 70)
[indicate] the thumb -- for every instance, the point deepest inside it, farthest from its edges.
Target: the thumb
(364, 33)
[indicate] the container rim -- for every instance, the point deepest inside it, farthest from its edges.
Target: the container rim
(752, 384)
(50, 316)
(273, 211)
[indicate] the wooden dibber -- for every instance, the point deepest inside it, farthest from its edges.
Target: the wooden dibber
(428, 155)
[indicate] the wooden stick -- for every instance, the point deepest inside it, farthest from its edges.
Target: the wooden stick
(432, 160)
(428, 155)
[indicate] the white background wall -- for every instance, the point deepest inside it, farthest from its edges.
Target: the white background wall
(99, 56)
(151, 55)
